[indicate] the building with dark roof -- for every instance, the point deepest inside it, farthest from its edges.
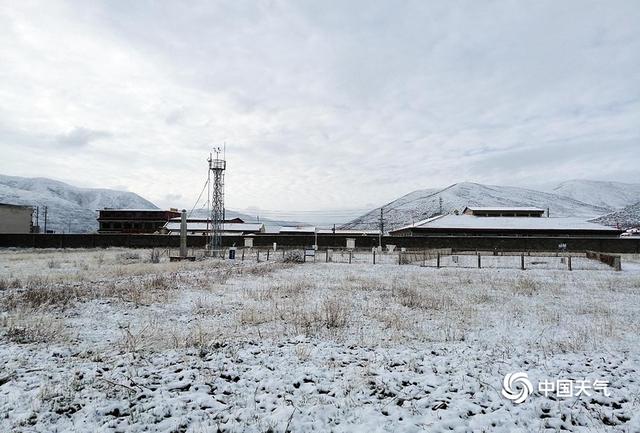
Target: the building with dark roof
(134, 220)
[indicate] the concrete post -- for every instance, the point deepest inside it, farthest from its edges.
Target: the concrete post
(183, 234)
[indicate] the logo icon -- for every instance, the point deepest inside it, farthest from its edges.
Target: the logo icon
(516, 387)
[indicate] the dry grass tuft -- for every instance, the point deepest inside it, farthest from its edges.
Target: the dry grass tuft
(525, 286)
(33, 328)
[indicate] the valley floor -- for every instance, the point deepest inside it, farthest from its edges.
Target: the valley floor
(105, 340)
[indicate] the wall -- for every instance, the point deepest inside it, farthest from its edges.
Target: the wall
(15, 219)
(485, 243)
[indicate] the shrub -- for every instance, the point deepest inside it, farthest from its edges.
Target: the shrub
(525, 286)
(294, 256)
(333, 313)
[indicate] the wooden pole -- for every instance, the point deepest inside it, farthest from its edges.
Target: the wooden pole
(243, 254)
(267, 255)
(374, 256)
(479, 264)
(522, 261)
(438, 261)
(569, 262)
(349, 256)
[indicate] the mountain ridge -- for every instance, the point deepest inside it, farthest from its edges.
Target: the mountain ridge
(425, 203)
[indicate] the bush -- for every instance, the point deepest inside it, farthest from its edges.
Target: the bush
(294, 256)
(525, 286)
(333, 313)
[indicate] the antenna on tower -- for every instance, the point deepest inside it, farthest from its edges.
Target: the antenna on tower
(217, 166)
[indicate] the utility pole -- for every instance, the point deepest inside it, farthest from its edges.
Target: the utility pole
(45, 219)
(381, 228)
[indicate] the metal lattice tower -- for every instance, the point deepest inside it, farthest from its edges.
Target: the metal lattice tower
(217, 167)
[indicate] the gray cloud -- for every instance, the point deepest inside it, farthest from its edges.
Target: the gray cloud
(321, 104)
(80, 137)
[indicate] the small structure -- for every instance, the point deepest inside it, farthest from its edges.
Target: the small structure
(467, 225)
(134, 220)
(183, 240)
(16, 218)
(503, 211)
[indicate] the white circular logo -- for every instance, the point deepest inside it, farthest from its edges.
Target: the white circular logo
(516, 387)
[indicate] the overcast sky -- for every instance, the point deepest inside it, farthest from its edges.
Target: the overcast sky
(322, 104)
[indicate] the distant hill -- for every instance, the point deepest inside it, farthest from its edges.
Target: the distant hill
(626, 218)
(73, 209)
(612, 195)
(425, 203)
(69, 208)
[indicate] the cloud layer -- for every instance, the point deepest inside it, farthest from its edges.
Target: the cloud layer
(322, 105)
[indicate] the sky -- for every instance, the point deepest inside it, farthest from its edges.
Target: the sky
(330, 107)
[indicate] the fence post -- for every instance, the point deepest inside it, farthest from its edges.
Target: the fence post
(522, 261)
(349, 256)
(374, 256)
(569, 262)
(479, 264)
(258, 256)
(283, 253)
(243, 254)
(399, 257)
(326, 255)
(267, 255)
(616, 263)
(438, 260)
(424, 258)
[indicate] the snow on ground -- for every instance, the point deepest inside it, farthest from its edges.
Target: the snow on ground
(105, 340)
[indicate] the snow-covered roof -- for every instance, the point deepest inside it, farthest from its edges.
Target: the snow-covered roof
(139, 210)
(202, 226)
(504, 209)
(349, 232)
(298, 229)
(520, 223)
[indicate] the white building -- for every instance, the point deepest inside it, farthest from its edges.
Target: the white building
(15, 218)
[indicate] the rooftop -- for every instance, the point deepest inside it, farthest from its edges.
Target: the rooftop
(15, 205)
(202, 226)
(507, 223)
(505, 209)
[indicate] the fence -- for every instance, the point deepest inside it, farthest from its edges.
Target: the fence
(627, 245)
(432, 258)
(608, 259)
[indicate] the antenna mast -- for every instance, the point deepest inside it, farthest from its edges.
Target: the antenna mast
(217, 166)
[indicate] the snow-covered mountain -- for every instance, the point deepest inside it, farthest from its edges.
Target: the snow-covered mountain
(626, 218)
(612, 195)
(425, 203)
(69, 208)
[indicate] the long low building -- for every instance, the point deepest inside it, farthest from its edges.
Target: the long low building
(468, 225)
(203, 227)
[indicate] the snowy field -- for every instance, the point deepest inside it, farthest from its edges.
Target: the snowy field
(107, 341)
